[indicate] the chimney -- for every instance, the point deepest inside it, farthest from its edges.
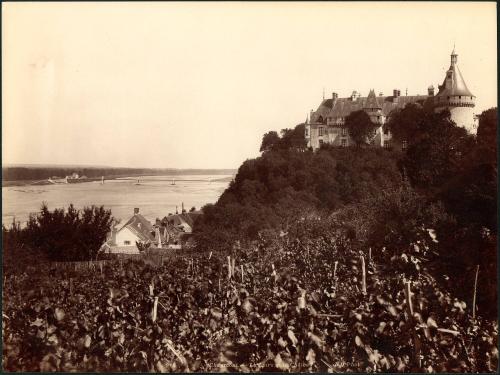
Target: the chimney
(176, 211)
(396, 93)
(182, 210)
(335, 96)
(430, 90)
(380, 94)
(136, 211)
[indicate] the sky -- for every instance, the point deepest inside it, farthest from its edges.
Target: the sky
(196, 85)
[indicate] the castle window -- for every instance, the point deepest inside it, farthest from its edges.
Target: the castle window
(387, 144)
(321, 131)
(344, 143)
(404, 145)
(459, 97)
(321, 142)
(307, 132)
(344, 131)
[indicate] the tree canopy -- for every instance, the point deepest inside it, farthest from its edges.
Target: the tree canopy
(361, 129)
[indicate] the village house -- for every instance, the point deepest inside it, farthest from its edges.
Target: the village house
(169, 233)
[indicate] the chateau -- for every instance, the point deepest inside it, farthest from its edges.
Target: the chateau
(327, 123)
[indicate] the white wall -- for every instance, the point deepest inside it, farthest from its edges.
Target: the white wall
(126, 234)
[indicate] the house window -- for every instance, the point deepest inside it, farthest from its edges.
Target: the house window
(307, 132)
(404, 145)
(321, 131)
(126, 242)
(344, 143)
(387, 144)
(321, 142)
(344, 131)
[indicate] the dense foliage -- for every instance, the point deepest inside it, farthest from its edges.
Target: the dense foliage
(282, 186)
(290, 139)
(293, 303)
(60, 235)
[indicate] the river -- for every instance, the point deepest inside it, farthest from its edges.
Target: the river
(155, 196)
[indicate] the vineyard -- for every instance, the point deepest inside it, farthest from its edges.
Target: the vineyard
(290, 305)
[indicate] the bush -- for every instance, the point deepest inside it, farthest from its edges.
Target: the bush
(63, 235)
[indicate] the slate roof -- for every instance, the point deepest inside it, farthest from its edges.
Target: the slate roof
(457, 84)
(344, 106)
(371, 101)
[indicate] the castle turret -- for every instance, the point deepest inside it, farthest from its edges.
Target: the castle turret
(454, 95)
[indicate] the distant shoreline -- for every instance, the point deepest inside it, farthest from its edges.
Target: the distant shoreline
(27, 176)
(93, 179)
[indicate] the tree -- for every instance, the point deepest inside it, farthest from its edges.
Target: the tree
(361, 128)
(487, 135)
(293, 138)
(269, 140)
(407, 124)
(440, 153)
(67, 235)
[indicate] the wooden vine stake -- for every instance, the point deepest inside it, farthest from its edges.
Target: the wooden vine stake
(335, 269)
(233, 267)
(242, 275)
(155, 310)
(474, 298)
(409, 303)
(100, 266)
(229, 267)
(151, 289)
(71, 286)
(416, 340)
(363, 275)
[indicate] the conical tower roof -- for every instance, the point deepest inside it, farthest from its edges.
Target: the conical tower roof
(371, 100)
(454, 83)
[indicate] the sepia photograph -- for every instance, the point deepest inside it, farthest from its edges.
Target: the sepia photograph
(246, 187)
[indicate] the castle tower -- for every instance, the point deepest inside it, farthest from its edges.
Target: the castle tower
(454, 95)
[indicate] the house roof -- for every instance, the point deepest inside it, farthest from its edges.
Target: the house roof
(141, 227)
(344, 106)
(184, 220)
